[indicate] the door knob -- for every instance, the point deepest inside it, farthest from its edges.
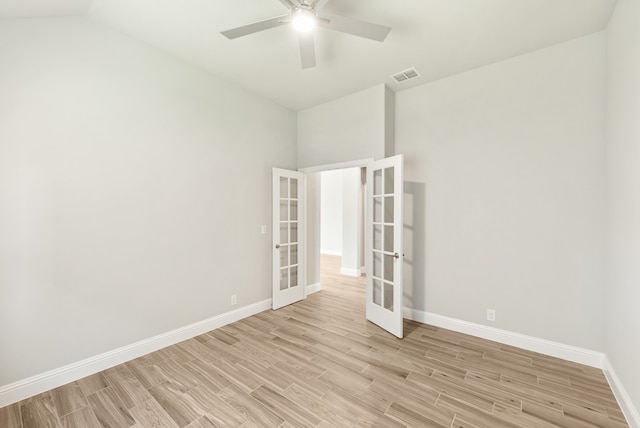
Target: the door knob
(396, 255)
(277, 246)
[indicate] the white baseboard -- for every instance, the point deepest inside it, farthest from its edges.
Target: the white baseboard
(313, 288)
(331, 252)
(626, 405)
(543, 346)
(350, 272)
(362, 270)
(25, 388)
(37, 384)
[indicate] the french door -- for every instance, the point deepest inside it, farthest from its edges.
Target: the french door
(287, 250)
(383, 244)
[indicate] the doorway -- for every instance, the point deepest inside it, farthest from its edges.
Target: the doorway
(381, 231)
(342, 215)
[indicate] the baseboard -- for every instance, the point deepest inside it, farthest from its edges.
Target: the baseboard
(331, 253)
(313, 288)
(25, 388)
(626, 405)
(362, 270)
(37, 384)
(543, 346)
(350, 272)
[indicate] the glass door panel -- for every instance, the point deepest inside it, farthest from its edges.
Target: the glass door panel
(287, 220)
(384, 244)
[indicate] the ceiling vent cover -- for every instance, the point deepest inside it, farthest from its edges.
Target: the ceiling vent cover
(408, 74)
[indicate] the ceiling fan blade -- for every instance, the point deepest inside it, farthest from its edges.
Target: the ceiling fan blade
(353, 26)
(289, 3)
(256, 26)
(307, 50)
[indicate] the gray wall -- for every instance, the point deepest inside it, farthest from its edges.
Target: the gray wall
(505, 193)
(623, 173)
(350, 128)
(331, 209)
(313, 196)
(341, 218)
(346, 129)
(132, 190)
(504, 189)
(352, 207)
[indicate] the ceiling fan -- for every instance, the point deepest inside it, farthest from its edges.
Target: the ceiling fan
(304, 16)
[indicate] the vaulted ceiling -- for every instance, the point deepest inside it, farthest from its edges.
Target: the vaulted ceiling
(438, 37)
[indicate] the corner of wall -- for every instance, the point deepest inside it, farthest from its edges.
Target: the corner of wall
(626, 404)
(389, 122)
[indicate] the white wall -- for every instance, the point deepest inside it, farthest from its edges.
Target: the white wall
(352, 240)
(341, 218)
(313, 183)
(132, 190)
(349, 128)
(331, 212)
(505, 193)
(623, 172)
(355, 127)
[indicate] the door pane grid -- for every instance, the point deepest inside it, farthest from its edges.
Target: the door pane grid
(288, 233)
(293, 231)
(288, 263)
(384, 243)
(382, 238)
(285, 233)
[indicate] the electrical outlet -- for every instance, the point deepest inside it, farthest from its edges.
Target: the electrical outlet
(491, 314)
(263, 229)
(234, 300)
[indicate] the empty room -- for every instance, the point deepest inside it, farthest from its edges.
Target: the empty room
(165, 258)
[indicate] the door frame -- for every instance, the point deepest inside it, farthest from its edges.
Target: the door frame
(358, 163)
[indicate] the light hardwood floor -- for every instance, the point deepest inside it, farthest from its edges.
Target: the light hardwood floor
(318, 363)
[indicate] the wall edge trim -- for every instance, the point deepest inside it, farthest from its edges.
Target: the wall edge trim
(555, 349)
(626, 404)
(351, 272)
(530, 343)
(314, 288)
(42, 382)
(331, 252)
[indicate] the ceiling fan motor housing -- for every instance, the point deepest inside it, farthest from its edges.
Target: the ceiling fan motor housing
(303, 18)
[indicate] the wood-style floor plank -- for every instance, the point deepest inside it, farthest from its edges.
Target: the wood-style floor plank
(83, 418)
(151, 414)
(251, 410)
(319, 363)
(10, 416)
(109, 408)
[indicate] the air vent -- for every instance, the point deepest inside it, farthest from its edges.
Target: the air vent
(405, 75)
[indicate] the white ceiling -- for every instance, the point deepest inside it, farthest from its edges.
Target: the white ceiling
(439, 37)
(38, 8)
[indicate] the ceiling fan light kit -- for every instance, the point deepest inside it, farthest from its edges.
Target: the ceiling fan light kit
(303, 16)
(303, 20)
